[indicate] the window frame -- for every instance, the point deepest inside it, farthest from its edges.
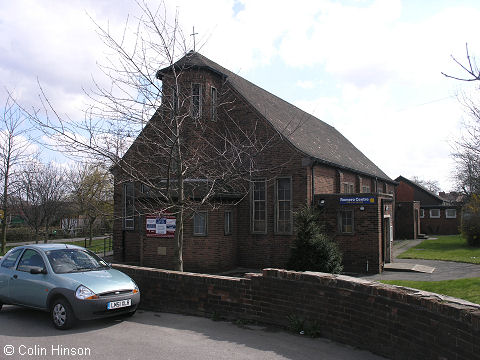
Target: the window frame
(253, 207)
(227, 225)
(340, 222)
(277, 206)
(448, 216)
(129, 218)
(422, 213)
(365, 189)
(27, 268)
(434, 217)
(351, 187)
(194, 114)
(205, 228)
(7, 255)
(213, 99)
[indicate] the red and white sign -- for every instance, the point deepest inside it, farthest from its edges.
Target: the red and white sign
(161, 225)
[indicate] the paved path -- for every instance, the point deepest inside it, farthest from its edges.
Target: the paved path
(444, 270)
(150, 335)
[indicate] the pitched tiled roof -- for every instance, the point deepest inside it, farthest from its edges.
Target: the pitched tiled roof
(420, 187)
(310, 135)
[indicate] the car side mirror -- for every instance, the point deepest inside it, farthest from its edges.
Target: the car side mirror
(38, 270)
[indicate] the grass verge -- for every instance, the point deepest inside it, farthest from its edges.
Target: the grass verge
(467, 289)
(449, 248)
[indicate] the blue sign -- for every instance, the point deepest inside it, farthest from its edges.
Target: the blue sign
(352, 200)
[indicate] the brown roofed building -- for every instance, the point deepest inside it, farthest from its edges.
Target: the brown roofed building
(311, 162)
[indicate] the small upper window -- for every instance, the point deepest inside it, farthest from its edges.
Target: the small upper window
(422, 213)
(213, 113)
(200, 223)
(365, 189)
(348, 188)
(451, 213)
(435, 213)
(196, 100)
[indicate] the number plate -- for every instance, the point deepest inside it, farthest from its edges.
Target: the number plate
(119, 304)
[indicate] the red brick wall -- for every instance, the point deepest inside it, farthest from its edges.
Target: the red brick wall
(394, 322)
(442, 225)
(404, 192)
(406, 225)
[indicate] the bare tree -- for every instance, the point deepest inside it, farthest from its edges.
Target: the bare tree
(40, 196)
(13, 151)
(467, 148)
(91, 193)
(182, 161)
(430, 185)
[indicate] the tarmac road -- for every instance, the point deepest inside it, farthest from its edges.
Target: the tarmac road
(149, 335)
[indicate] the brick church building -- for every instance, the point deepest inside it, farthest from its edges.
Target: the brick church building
(313, 162)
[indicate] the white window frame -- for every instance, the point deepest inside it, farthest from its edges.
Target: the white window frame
(213, 98)
(365, 189)
(227, 218)
(128, 219)
(432, 216)
(254, 203)
(279, 222)
(350, 186)
(194, 113)
(422, 213)
(204, 231)
(451, 216)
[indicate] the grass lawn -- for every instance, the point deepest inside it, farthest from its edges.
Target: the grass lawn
(449, 247)
(467, 289)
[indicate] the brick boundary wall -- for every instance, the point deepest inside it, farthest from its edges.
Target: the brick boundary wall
(395, 322)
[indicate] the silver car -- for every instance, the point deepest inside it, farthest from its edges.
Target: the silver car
(70, 282)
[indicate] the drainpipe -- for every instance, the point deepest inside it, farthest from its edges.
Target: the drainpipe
(313, 182)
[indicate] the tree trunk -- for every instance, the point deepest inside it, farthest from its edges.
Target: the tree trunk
(45, 239)
(90, 232)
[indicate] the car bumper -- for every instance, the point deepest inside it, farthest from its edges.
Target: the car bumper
(97, 308)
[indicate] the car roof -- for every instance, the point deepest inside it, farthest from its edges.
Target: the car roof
(47, 247)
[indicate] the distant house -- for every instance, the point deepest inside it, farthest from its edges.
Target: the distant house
(319, 166)
(420, 211)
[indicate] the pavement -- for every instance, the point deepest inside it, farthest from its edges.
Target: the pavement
(417, 269)
(28, 334)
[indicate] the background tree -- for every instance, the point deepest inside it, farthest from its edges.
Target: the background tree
(467, 148)
(430, 185)
(40, 196)
(14, 149)
(91, 193)
(184, 163)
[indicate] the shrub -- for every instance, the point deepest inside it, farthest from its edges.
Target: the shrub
(313, 250)
(471, 221)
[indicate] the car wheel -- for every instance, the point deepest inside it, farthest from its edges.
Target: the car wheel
(62, 314)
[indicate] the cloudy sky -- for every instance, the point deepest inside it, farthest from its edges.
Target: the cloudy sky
(371, 69)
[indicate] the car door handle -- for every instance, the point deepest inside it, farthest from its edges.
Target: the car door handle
(14, 276)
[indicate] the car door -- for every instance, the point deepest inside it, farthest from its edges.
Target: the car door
(26, 288)
(7, 268)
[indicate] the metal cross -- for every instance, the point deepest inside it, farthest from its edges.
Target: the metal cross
(193, 34)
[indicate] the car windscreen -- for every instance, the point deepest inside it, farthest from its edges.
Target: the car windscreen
(74, 260)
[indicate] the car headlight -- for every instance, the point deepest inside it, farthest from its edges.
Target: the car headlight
(84, 293)
(136, 290)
